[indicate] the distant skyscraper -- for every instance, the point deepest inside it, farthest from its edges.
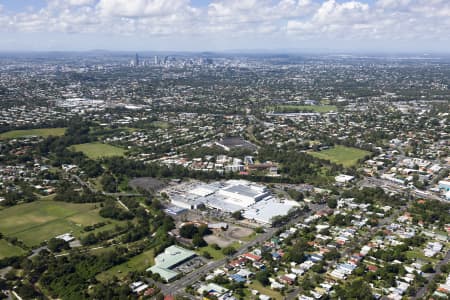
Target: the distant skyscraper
(136, 60)
(156, 60)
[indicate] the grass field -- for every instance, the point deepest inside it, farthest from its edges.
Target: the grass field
(303, 108)
(98, 150)
(161, 124)
(256, 285)
(8, 250)
(138, 263)
(41, 220)
(345, 156)
(418, 254)
(216, 254)
(44, 132)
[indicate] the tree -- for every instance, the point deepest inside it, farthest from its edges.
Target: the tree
(215, 246)
(230, 250)
(203, 230)
(263, 277)
(56, 245)
(188, 231)
(259, 229)
(198, 241)
(90, 239)
(427, 268)
(332, 203)
(297, 252)
(237, 215)
(333, 254)
(109, 183)
(356, 289)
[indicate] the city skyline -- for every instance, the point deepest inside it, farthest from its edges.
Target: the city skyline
(224, 25)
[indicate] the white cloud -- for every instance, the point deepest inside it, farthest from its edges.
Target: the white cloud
(80, 2)
(143, 8)
(280, 20)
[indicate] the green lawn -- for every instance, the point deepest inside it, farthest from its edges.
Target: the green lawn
(44, 132)
(98, 150)
(346, 156)
(161, 124)
(41, 220)
(418, 254)
(249, 237)
(302, 108)
(216, 254)
(256, 285)
(138, 263)
(8, 250)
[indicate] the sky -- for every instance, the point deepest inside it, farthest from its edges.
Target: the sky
(226, 25)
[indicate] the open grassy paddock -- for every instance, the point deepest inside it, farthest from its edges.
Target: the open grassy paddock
(346, 156)
(138, 263)
(256, 285)
(98, 150)
(44, 132)
(8, 250)
(216, 254)
(161, 124)
(38, 221)
(302, 108)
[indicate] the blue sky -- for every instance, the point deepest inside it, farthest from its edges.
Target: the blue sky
(200, 25)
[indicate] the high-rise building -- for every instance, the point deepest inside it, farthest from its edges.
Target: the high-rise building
(136, 61)
(156, 60)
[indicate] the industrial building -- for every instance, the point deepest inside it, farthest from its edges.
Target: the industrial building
(264, 211)
(172, 257)
(230, 196)
(254, 200)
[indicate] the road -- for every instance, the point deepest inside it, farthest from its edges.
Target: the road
(422, 291)
(82, 251)
(16, 295)
(93, 190)
(359, 240)
(179, 285)
(394, 187)
(194, 276)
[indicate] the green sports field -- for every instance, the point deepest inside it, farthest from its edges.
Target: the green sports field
(346, 156)
(302, 108)
(161, 124)
(8, 250)
(98, 150)
(38, 221)
(44, 132)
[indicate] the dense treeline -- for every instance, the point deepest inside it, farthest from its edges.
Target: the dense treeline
(68, 277)
(299, 166)
(293, 171)
(24, 194)
(431, 212)
(68, 193)
(112, 211)
(372, 195)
